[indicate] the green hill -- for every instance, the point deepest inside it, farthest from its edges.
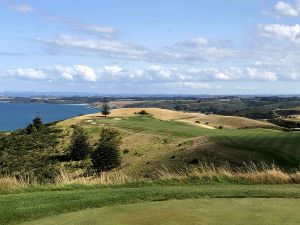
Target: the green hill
(156, 141)
(161, 140)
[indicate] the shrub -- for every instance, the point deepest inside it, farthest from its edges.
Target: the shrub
(194, 161)
(143, 113)
(107, 156)
(80, 146)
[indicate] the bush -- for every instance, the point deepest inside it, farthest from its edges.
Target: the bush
(80, 146)
(30, 155)
(107, 156)
(143, 113)
(194, 161)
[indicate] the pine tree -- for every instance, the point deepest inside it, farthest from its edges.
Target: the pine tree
(105, 109)
(80, 146)
(37, 123)
(107, 156)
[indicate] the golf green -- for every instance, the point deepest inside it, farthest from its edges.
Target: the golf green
(237, 211)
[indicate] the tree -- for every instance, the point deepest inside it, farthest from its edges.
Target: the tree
(105, 109)
(107, 156)
(80, 146)
(37, 123)
(35, 126)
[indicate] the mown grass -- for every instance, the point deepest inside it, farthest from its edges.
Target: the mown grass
(188, 212)
(15, 208)
(149, 124)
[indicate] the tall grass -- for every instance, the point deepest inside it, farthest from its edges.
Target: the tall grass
(11, 182)
(205, 173)
(104, 178)
(250, 173)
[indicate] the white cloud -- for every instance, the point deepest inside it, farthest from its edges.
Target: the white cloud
(197, 50)
(22, 8)
(287, 9)
(106, 47)
(98, 29)
(255, 74)
(194, 51)
(26, 73)
(75, 72)
(150, 74)
(86, 72)
(81, 26)
(281, 31)
(113, 70)
(65, 72)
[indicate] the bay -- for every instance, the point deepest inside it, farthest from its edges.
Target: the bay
(15, 116)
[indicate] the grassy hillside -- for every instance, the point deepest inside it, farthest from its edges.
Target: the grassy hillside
(167, 139)
(162, 140)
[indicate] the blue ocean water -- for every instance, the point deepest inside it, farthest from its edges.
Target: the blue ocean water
(15, 116)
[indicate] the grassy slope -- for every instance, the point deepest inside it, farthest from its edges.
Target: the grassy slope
(152, 142)
(188, 212)
(15, 208)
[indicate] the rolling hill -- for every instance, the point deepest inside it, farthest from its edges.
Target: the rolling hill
(173, 140)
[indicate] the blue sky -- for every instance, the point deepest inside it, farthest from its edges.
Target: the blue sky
(150, 47)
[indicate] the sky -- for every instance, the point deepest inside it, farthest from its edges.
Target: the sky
(150, 47)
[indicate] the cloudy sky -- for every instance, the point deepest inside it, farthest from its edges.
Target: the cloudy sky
(150, 46)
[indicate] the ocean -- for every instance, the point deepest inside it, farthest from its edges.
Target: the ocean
(14, 116)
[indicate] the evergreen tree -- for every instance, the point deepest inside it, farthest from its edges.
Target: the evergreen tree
(107, 156)
(80, 146)
(105, 109)
(37, 123)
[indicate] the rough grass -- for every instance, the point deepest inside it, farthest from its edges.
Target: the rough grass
(152, 142)
(250, 174)
(188, 212)
(204, 174)
(15, 208)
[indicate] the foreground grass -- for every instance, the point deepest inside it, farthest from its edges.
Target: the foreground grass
(19, 207)
(189, 212)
